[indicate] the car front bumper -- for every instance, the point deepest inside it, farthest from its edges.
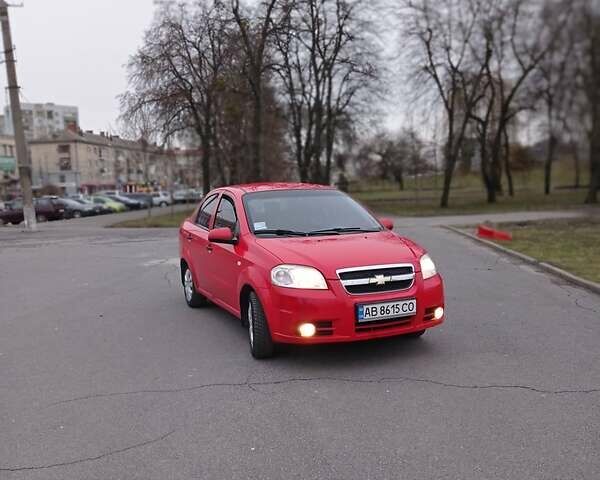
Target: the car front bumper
(333, 312)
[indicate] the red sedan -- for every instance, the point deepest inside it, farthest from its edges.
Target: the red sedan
(305, 263)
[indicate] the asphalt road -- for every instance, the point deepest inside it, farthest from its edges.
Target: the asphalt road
(105, 373)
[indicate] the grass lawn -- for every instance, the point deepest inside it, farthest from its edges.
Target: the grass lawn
(421, 196)
(573, 245)
(156, 221)
(426, 203)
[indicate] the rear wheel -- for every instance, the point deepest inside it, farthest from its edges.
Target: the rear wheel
(192, 297)
(261, 344)
(76, 214)
(163, 204)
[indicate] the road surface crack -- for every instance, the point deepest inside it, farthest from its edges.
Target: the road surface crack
(89, 459)
(577, 299)
(252, 386)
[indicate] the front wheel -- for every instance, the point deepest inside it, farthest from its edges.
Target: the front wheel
(76, 214)
(192, 297)
(41, 218)
(261, 344)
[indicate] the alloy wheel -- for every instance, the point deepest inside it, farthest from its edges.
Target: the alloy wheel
(251, 323)
(188, 285)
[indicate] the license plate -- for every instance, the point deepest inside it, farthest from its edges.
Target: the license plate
(381, 311)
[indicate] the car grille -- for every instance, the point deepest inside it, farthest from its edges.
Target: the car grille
(382, 324)
(377, 278)
(324, 328)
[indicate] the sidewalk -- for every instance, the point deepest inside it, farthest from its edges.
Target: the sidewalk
(453, 220)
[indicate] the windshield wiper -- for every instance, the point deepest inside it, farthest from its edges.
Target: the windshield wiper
(280, 232)
(340, 230)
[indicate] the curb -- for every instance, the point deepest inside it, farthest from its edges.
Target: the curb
(593, 286)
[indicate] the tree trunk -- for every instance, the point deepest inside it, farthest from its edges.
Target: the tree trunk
(486, 167)
(447, 183)
(576, 163)
(450, 161)
(509, 179)
(592, 196)
(257, 133)
(205, 164)
(548, 165)
(496, 166)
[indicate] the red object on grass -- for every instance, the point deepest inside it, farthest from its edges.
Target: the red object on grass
(485, 231)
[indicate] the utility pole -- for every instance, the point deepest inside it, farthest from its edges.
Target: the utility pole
(23, 160)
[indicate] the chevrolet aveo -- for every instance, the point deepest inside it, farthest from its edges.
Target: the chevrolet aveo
(304, 264)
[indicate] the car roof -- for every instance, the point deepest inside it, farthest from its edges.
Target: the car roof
(270, 186)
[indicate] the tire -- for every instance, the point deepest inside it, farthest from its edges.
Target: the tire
(76, 214)
(261, 343)
(162, 204)
(41, 218)
(415, 335)
(192, 297)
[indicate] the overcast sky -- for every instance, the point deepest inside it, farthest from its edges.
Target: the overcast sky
(73, 52)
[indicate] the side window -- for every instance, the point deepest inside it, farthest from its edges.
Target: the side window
(207, 210)
(226, 216)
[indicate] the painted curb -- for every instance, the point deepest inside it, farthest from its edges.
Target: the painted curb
(593, 286)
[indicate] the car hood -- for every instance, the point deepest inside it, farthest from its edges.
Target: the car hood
(332, 252)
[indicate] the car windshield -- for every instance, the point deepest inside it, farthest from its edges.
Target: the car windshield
(306, 212)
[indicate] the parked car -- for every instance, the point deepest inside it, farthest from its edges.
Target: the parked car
(130, 203)
(75, 209)
(306, 264)
(108, 202)
(45, 209)
(142, 196)
(161, 199)
(186, 195)
(98, 208)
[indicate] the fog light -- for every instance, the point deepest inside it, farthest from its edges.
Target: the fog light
(438, 313)
(307, 330)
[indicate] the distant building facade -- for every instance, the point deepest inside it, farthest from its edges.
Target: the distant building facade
(43, 119)
(8, 158)
(88, 162)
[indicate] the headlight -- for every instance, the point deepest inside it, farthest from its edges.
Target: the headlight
(298, 276)
(427, 267)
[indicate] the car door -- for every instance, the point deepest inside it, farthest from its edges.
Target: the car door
(224, 258)
(196, 235)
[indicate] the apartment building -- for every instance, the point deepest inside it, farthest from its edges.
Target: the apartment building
(87, 162)
(41, 120)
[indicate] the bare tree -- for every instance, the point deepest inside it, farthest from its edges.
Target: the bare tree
(555, 77)
(175, 74)
(255, 33)
(437, 42)
(325, 64)
(588, 26)
(520, 39)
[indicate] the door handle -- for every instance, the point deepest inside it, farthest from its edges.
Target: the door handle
(189, 236)
(209, 248)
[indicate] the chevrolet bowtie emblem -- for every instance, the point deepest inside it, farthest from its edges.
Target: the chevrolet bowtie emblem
(379, 279)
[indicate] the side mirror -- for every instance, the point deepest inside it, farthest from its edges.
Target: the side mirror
(388, 223)
(221, 235)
